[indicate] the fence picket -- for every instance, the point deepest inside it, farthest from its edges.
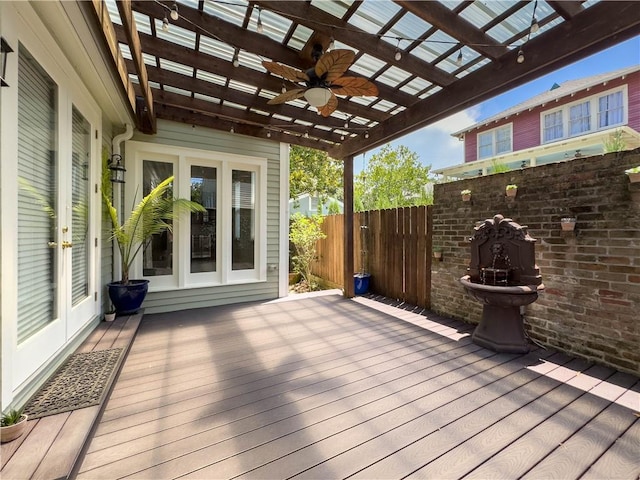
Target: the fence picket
(398, 252)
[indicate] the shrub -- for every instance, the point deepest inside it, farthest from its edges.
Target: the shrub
(304, 233)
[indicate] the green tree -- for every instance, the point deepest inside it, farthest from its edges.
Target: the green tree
(313, 172)
(304, 232)
(393, 178)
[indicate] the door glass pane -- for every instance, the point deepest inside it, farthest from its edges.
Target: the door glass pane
(243, 218)
(81, 143)
(158, 254)
(37, 193)
(203, 225)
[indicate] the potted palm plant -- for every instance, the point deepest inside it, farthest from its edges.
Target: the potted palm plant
(154, 214)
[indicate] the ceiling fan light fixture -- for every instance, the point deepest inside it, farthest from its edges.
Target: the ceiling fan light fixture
(317, 96)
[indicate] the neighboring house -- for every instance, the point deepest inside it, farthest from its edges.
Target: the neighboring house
(574, 119)
(63, 106)
(308, 205)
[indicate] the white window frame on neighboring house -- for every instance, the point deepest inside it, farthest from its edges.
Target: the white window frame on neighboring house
(494, 142)
(574, 122)
(182, 159)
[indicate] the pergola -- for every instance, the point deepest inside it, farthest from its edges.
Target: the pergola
(200, 62)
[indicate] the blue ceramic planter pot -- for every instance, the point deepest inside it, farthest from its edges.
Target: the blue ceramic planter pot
(361, 283)
(127, 299)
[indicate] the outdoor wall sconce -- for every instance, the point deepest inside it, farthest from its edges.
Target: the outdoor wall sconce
(5, 49)
(117, 170)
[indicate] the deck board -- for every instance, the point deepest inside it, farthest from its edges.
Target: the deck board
(621, 460)
(325, 387)
(52, 445)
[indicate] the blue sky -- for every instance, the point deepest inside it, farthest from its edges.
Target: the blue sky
(435, 145)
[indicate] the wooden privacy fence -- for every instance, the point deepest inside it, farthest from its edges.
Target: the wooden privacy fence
(394, 246)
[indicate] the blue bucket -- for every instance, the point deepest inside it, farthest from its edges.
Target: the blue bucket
(361, 281)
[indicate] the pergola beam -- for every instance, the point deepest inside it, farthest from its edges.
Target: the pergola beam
(318, 20)
(566, 9)
(255, 43)
(133, 40)
(441, 17)
(184, 82)
(598, 29)
(111, 41)
(196, 119)
(239, 117)
(208, 63)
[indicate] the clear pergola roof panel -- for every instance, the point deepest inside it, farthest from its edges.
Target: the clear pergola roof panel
(232, 12)
(430, 48)
(371, 16)
(409, 27)
(336, 8)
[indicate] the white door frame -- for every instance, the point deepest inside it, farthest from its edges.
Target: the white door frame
(21, 363)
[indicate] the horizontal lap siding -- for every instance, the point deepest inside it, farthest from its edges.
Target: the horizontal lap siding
(176, 134)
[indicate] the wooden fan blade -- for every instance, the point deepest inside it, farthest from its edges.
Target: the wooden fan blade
(334, 64)
(286, 96)
(330, 107)
(286, 72)
(354, 86)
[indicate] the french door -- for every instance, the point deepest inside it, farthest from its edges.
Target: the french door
(56, 237)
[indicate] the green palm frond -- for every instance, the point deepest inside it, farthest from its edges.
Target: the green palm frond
(154, 214)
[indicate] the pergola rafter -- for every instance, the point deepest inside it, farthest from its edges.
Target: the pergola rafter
(208, 62)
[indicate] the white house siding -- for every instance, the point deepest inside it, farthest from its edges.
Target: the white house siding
(176, 134)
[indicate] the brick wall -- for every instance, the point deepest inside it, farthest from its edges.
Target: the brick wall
(591, 304)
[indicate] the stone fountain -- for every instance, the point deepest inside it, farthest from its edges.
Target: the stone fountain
(503, 276)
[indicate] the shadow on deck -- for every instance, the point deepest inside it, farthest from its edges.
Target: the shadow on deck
(319, 386)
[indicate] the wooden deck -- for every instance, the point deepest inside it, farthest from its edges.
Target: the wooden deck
(52, 446)
(324, 387)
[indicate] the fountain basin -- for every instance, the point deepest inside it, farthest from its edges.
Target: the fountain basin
(501, 328)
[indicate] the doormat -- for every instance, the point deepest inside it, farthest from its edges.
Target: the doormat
(82, 381)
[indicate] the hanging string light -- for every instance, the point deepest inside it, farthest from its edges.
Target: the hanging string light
(332, 43)
(174, 12)
(459, 59)
(398, 55)
(366, 134)
(520, 58)
(165, 23)
(534, 21)
(259, 27)
(236, 60)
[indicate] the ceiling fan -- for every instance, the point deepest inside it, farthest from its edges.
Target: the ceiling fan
(323, 81)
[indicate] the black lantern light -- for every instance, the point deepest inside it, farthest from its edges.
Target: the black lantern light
(4, 50)
(117, 170)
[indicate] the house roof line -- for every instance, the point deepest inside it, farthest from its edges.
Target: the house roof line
(568, 87)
